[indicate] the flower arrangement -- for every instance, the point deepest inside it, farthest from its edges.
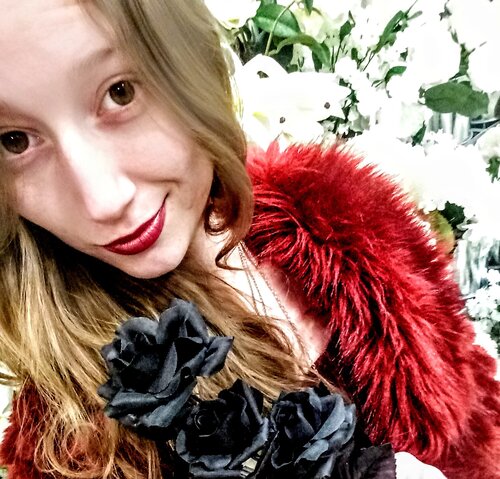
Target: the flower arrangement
(382, 75)
(153, 368)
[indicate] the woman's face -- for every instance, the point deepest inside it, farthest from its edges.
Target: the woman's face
(93, 161)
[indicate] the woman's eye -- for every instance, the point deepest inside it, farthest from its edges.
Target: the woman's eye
(119, 94)
(15, 142)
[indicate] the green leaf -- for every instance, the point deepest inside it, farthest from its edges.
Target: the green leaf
(319, 49)
(414, 15)
(454, 214)
(389, 34)
(355, 55)
(464, 61)
(494, 168)
(345, 29)
(419, 135)
(277, 20)
(399, 70)
(308, 4)
(456, 98)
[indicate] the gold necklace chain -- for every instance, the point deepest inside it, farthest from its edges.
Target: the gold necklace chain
(247, 259)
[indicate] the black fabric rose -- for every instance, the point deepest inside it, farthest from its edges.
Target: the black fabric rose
(153, 367)
(309, 429)
(220, 435)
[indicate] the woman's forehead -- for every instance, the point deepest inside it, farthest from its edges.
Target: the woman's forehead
(44, 26)
(43, 40)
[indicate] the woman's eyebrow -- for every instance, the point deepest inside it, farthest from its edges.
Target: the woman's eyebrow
(92, 60)
(89, 62)
(5, 110)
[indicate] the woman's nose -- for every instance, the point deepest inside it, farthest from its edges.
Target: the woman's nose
(96, 177)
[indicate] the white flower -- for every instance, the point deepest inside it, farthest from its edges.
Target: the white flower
(484, 66)
(403, 120)
(337, 11)
(404, 88)
(392, 156)
(302, 58)
(489, 143)
(433, 174)
(433, 57)
(370, 100)
(312, 24)
(474, 22)
(286, 104)
(460, 177)
(430, 9)
(347, 69)
(233, 14)
(373, 16)
(365, 33)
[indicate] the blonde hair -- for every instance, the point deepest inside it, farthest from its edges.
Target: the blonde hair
(58, 306)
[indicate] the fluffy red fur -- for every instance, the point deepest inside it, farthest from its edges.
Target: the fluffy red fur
(21, 437)
(360, 260)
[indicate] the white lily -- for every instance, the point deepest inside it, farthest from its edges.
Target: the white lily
(277, 104)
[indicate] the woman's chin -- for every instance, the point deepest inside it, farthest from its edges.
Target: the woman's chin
(147, 266)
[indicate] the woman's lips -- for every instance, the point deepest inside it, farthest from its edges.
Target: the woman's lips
(142, 238)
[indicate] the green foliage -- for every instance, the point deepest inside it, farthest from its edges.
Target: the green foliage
(454, 214)
(494, 168)
(399, 70)
(345, 30)
(396, 24)
(458, 98)
(277, 20)
(275, 30)
(308, 4)
(321, 51)
(495, 334)
(419, 135)
(464, 61)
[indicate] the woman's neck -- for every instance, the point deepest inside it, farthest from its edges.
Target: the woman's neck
(264, 292)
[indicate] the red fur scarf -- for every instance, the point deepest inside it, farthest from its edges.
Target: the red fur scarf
(358, 258)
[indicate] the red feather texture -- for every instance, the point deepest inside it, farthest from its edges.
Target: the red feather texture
(360, 260)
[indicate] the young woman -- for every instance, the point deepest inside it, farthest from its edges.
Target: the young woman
(124, 185)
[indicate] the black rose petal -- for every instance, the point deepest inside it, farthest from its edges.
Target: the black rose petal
(309, 430)
(220, 435)
(153, 366)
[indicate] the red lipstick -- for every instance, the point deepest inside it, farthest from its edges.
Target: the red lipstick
(142, 238)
